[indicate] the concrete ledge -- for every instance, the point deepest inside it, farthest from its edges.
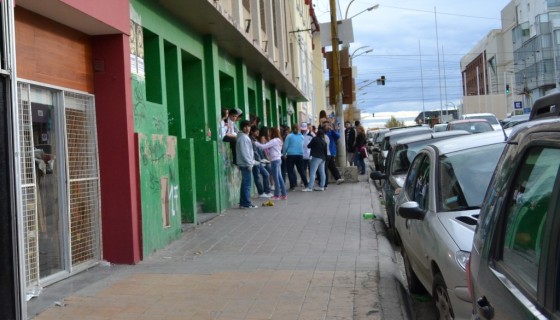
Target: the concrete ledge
(350, 174)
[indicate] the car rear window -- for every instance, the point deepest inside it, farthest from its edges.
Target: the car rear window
(490, 119)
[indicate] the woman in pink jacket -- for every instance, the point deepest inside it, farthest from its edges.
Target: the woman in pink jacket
(274, 148)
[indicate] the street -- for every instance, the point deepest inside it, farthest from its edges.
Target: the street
(312, 256)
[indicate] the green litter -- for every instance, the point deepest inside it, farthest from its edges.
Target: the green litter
(368, 215)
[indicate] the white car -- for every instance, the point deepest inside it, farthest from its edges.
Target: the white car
(437, 211)
(487, 116)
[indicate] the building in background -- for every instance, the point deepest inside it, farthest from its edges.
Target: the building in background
(487, 71)
(510, 69)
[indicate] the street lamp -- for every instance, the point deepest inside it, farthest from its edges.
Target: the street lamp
(354, 55)
(368, 9)
(341, 144)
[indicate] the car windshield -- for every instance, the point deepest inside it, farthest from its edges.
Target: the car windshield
(464, 176)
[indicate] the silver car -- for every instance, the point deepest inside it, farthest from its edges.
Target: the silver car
(438, 208)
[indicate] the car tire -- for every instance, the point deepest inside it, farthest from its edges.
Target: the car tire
(442, 303)
(414, 285)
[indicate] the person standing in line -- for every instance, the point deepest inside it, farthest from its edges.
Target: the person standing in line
(350, 136)
(274, 147)
(318, 149)
(293, 148)
(333, 136)
(245, 162)
(285, 130)
(307, 136)
(323, 118)
(360, 143)
(263, 188)
(264, 134)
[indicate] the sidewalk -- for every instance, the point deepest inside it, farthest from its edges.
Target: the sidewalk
(312, 256)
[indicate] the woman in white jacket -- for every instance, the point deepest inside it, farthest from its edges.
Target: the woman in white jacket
(274, 148)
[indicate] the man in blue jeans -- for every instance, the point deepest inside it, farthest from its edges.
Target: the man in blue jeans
(263, 188)
(245, 162)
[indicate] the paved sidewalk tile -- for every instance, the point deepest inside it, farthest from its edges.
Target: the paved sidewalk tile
(312, 256)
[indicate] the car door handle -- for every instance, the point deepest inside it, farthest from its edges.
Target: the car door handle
(484, 308)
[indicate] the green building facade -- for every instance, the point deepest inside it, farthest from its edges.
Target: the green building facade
(181, 80)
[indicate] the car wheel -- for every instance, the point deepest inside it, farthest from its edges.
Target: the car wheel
(441, 299)
(414, 285)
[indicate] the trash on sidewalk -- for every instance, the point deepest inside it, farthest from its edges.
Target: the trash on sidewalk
(268, 203)
(369, 215)
(59, 304)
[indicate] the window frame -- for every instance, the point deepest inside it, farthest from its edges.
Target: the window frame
(546, 294)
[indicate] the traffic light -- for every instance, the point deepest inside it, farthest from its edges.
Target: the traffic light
(507, 88)
(382, 80)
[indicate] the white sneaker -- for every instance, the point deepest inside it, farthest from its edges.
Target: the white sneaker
(339, 181)
(265, 195)
(269, 195)
(319, 189)
(307, 190)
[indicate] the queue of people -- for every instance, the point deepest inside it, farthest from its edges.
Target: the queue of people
(265, 156)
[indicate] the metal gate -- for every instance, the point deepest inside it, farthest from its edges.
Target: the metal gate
(78, 181)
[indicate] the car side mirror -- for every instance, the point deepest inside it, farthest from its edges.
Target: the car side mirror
(377, 175)
(411, 210)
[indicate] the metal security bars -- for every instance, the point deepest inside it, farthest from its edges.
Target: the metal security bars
(28, 192)
(78, 207)
(83, 171)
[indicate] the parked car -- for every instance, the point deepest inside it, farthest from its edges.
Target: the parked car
(399, 158)
(375, 149)
(545, 107)
(515, 120)
(471, 125)
(392, 136)
(437, 211)
(515, 257)
(490, 117)
(439, 127)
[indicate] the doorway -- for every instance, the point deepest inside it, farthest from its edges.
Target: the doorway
(59, 183)
(48, 171)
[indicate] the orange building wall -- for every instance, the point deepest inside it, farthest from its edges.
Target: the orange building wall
(49, 52)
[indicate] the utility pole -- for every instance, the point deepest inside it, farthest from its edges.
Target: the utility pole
(341, 143)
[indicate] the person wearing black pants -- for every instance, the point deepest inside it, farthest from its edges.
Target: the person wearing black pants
(293, 148)
(332, 136)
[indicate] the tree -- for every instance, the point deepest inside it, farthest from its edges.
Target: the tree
(393, 123)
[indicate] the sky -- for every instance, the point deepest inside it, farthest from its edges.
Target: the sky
(421, 63)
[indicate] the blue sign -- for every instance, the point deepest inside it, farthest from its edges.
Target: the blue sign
(527, 110)
(518, 105)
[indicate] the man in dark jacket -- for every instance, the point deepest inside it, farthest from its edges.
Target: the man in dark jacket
(333, 136)
(350, 135)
